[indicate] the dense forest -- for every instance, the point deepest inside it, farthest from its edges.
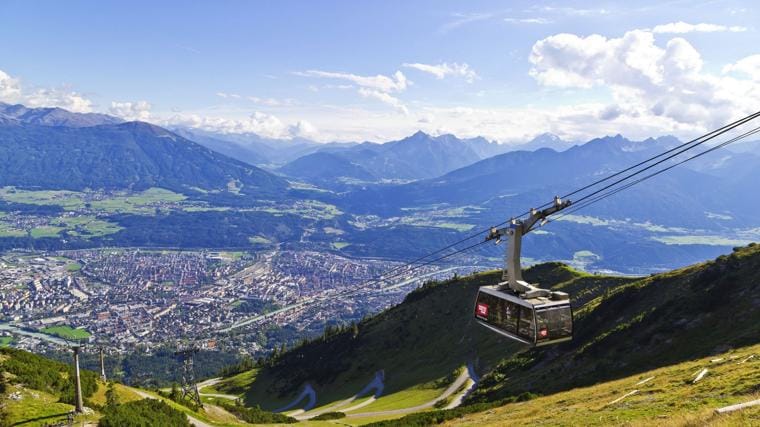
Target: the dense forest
(157, 369)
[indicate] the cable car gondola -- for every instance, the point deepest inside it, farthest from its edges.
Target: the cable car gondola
(517, 309)
(534, 321)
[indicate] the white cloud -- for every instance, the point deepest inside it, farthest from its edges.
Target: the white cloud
(462, 19)
(681, 27)
(62, 98)
(131, 111)
(378, 87)
(647, 81)
(12, 91)
(226, 95)
(262, 124)
(10, 88)
(385, 98)
(445, 69)
(268, 102)
(395, 83)
(303, 129)
(572, 11)
(749, 66)
(528, 20)
(271, 102)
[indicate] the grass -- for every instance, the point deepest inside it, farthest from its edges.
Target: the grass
(68, 200)
(209, 389)
(402, 399)
(340, 245)
(66, 332)
(236, 384)
(668, 398)
(420, 221)
(309, 209)
(139, 202)
(455, 226)
(259, 240)
(74, 266)
(5, 341)
(707, 240)
(7, 230)
(37, 408)
(125, 394)
(206, 209)
(46, 231)
(87, 226)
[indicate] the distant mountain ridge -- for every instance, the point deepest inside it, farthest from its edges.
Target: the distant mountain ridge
(418, 156)
(526, 178)
(17, 113)
(546, 140)
(131, 155)
(254, 149)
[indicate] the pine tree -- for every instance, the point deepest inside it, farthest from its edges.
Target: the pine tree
(112, 398)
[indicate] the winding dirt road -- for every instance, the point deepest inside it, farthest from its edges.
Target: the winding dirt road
(466, 375)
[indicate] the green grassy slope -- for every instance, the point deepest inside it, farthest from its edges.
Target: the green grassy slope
(417, 343)
(657, 321)
(37, 391)
(664, 397)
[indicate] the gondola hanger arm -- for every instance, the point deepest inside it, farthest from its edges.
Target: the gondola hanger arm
(529, 224)
(514, 232)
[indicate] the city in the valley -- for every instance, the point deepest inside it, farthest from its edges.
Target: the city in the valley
(123, 298)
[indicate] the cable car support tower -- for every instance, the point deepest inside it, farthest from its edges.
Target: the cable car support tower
(76, 347)
(514, 231)
(189, 386)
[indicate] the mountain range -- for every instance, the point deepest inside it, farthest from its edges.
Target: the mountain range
(509, 181)
(132, 155)
(16, 113)
(254, 149)
(385, 199)
(418, 156)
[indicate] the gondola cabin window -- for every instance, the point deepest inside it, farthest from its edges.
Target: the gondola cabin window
(554, 323)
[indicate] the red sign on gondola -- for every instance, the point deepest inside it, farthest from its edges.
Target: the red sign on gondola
(481, 310)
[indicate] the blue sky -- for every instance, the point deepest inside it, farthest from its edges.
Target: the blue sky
(340, 70)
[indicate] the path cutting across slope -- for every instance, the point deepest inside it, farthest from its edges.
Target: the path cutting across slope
(308, 392)
(474, 379)
(212, 382)
(465, 376)
(376, 384)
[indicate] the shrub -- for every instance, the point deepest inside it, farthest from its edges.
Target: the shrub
(143, 413)
(330, 416)
(256, 415)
